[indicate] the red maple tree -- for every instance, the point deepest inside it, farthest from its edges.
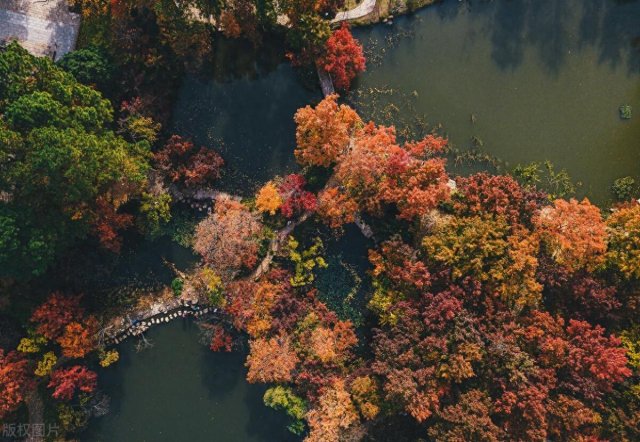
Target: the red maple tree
(344, 57)
(15, 381)
(55, 313)
(66, 381)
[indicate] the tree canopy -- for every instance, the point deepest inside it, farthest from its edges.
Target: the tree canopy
(63, 169)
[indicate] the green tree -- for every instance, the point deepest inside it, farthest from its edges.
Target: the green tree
(64, 173)
(89, 66)
(282, 398)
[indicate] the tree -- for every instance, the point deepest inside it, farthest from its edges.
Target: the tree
(58, 158)
(364, 392)
(88, 65)
(78, 339)
(323, 133)
(573, 233)
(271, 360)
(295, 199)
(107, 223)
(334, 415)
(67, 381)
(376, 170)
(623, 228)
(268, 199)
(228, 238)
(344, 58)
(52, 316)
(483, 248)
(14, 381)
(306, 36)
(305, 261)
(155, 211)
(468, 419)
(135, 123)
(45, 366)
(500, 195)
(282, 398)
(184, 165)
(335, 208)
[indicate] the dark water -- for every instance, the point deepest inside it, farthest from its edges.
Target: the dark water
(179, 390)
(247, 113)
(543, 79)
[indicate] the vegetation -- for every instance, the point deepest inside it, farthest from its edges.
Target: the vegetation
(502, 313)
(494, 310)
(624, 188)
(65, 173)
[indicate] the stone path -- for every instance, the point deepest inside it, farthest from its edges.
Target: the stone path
(364, 8)
(43, 27)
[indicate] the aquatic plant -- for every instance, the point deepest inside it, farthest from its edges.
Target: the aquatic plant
(625, 111)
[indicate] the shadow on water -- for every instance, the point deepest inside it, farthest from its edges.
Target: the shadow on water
(612, 27)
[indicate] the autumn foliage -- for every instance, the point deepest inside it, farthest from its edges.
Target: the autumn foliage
(185, 165)
(66, 382)
(323, 133)
(52, 316)
(573, 232)
(343, 58)
(228, 238)
(78, 339)
(498, 313)
(15, 381)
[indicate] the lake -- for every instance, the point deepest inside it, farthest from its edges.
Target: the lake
(179, 390)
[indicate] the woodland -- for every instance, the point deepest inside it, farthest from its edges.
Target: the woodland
(497, 309)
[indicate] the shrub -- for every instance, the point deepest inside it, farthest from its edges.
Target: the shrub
(176, 285)
(623, 188)
(625, 112)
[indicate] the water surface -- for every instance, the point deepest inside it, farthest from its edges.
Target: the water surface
(179, 390)
(530, 79)
(246, 112)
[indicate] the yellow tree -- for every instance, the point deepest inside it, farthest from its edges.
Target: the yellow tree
(323, 133)
(268, 199)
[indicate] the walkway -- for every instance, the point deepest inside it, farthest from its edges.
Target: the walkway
(364, 8)
(43, 27)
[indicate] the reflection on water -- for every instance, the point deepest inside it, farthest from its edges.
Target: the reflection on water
(529, 79)
(179, 390)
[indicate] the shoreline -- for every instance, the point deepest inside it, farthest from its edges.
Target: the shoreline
(385, 11)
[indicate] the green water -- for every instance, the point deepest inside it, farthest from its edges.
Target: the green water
(542, 79)
(179, 390)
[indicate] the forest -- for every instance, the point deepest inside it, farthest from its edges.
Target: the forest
(496, 308)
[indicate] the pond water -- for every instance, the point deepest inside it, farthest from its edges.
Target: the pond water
(530, 79)
(245, 113)
(179, 390)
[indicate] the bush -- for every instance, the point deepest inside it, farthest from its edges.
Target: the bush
(176, 285)
(623, 188)
(625, 112)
